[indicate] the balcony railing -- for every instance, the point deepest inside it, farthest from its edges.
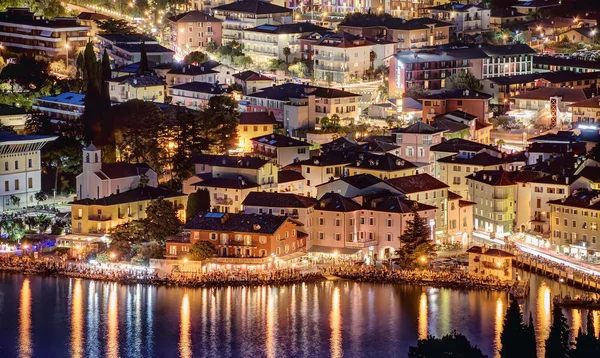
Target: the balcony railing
(99, 217)
(236, 243)
(360, 244)
(224, 201)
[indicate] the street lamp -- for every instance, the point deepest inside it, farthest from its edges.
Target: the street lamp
(67, 47)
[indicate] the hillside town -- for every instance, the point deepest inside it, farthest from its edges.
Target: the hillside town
(200, 136)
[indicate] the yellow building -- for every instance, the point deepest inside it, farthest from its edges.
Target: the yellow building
(254, 124)
(454, 169)
(98, 216)
(490, 262)
(142, 87)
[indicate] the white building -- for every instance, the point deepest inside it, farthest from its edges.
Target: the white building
(20, 168)
(99, 180)
(467, 18)
(124, 49)
(67, 106)
(194, 95)
(283, 150)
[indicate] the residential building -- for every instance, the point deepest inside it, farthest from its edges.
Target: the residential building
(507, 60)
(224, 72)
(551, 63)
(180, 74)
(413, 33)
(193, 30)
(457, 146)
(306, 43)
(552, 26)
(579, 35)
(244, 14)
(99, 180)
(20, 168)
(267, 42)
(323, 168)
(493, 191)
(341, 57)
(574, 223)
(429, 68)
(460, 220)
(13, 117)
(23, 32)
(553, 101)
(91, 20)
(254, 124)
(98, 216)
(354, 186)
(148, 87)
(456, 168)
(472, 102)
(586, 112)
(242, 236)
(291, 181)
(252, 82)
(66, 106)
(281, 149)
(486, 262)
(386, 166)
(407, 9)
(195, 95)
(501, 17)
(531, 6)
(415, 142)
(233, 178)
(125, 49)
(467, 18)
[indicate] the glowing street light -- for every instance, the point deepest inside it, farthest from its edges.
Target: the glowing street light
(67, 47)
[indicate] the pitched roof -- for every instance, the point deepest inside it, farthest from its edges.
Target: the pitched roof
(581, 199)
(139, 80)
(505, 12)
(229, 183)
(123, 170)
(339, 144)
(69, 98)
(194, 16)
(505, 50)
(386, 162)
(286, 91)
(544, 94)
(481, 159)
(280, 141)
(252, 76)
(360, 181)
(493, 177)
(249, 118)
(12, 138)
(457, 114)
(286, 176)
(593, 102)
(85, 15)
(227, 222)
(449, 125)
(570, 62)
(150, 48)
(336, 202)
(190, 70)
(439, 55)
(419, 127)
(128, 38)
(591, 173)
(489, 252)
(256, 7)
(416, 183)
(457, 145)
(278, 200)
(200, 87)
(458, 94)
(130, 196)
(330, 158)
(295, 28)
(343, 40)
(578, 148)
(396, 204)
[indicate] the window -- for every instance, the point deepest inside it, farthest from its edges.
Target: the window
(30, 183)
(287, 234)
(196, 235)
(371, 221)
(389, 222)
(262, 239)
(308, 170)
(16, 184)
(213, 235)
(6, 186)
(338, 237)
(5, 165)
(362, 220)
(301, 150)
(456, 181)
(30, 163)
(574, 223)
(388, 237)
(321, 221)
(16, 164)
(351, 221)
(321, 236)
(338, 222)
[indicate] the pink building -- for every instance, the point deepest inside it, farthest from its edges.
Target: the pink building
(193, 30)
(415, 141)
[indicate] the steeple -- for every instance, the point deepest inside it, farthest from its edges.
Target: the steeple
(92, 159)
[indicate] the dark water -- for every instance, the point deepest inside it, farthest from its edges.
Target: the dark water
(58, 317)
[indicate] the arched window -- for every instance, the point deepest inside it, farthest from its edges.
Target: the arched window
(96, 157)
(87, 157)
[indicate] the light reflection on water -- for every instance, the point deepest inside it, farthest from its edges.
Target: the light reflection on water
(96, 319)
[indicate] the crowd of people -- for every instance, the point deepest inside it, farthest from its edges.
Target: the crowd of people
(587, 279)
(366, 273)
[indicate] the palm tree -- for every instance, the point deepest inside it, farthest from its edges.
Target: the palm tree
(286, 52)
(372, 58)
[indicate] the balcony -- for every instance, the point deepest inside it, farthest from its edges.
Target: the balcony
(265, 153)
(500, 209)
(441, 37)
(332, 58)
(330, 68)
(99, 217)
(209, 33)
(236, 243)
(418, 40)
(360, 244)
(223, 201)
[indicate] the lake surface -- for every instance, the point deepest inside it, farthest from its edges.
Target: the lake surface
(61, 317)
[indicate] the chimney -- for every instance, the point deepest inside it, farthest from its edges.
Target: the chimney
(255, 227)
(566, 180)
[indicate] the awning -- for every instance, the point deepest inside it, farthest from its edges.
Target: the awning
(293, 255)
(333, 250)
(46, 33)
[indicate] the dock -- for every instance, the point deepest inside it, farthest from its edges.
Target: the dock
(569, 277)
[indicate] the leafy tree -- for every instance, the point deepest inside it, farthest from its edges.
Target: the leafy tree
(28, 73)
(211, 47)
(61, 163)
(195, 57)
(463, 80)
(221, 123)
(451, 345)
(299, 69)
(40, 196)
(197, 202)
(162, 220)
(416, 92)
(557, 344)
(415, 242)
(202, 250)
(43, 223)
(57, 227)
(38, 123)
(243, 61)
(50, 8)
(287, 52)
(15, 228)
(115, 26)
(146, 251)
(15, 200)
(30, 222)
(276, 64)
(586, 344)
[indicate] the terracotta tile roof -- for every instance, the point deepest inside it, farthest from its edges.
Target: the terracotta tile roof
(239, 223)
(130, 196)
(416, 183)
(336, 202)
(593, 102)
(279, 141)
(278, 200)
(229, 183)
(251, 118)
(123, 170)
(286, 176)
(252, 76)
(544, 94)
(396, 204)
(493, 177)
(386, 162)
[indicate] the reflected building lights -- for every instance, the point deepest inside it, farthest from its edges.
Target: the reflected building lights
(112, 345)
(270, 327)
(335, 319)
(543, 317)
(92, 341)
(25, 345)
(77, 321)
(185, 336)
(423, 316)
(498, 324)
(576, 322)
(597, 323)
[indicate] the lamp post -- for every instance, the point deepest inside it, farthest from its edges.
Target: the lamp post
(67, 47)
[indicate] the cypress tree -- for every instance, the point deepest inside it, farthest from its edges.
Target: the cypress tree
(529, 344)
(557, 344)
(513, 331)
(144, 67)
(586, 344)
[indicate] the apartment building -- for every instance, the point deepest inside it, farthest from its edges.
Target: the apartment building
(23, 32)
(254, 124)
(295, 206)
(267, 42)
(415, 142)
(456, 168)
(20, 168)
(125, 49)
(355, 186)
(413, 33)
(467, 18)
(493, 191)
(282, 150)
(193, 30)
(252, 82)
(574, 223)
(13, 117)
(66, 106)
(341, 57)
(500, 17)
(243, 236)
(147, 87)
(507, 60)
(195, 95)
(91, 20)
(384, 166)
(180, 74)
(323, 168)
(460, 147)
(307, 42)
(551, 63)
(408, 9)
(472, 102)
(585, 112)
(429, 68)
(98, 216)
(238, 16)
